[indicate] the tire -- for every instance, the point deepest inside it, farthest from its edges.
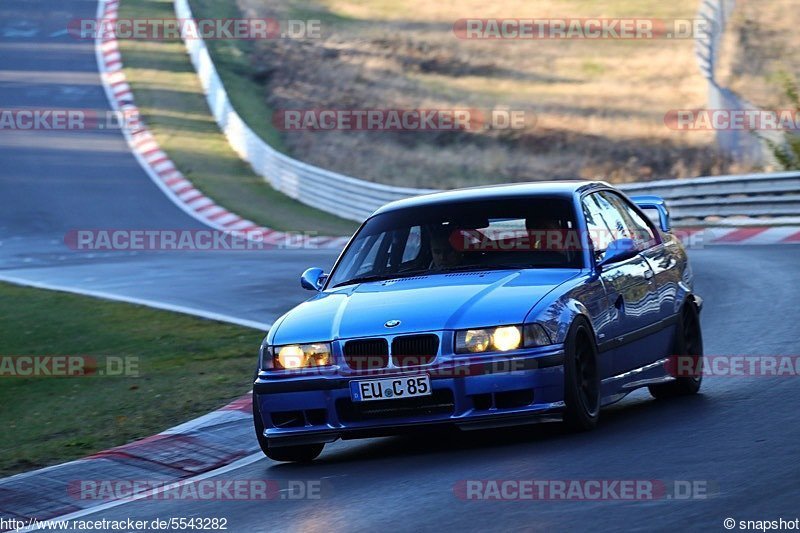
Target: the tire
(688, 341)
(581, 378)
(286, 454)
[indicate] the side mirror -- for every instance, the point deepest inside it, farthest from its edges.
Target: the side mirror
(656, 205)
(313, 279)
(618, 250)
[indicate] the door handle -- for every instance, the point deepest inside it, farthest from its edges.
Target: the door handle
(648, 274)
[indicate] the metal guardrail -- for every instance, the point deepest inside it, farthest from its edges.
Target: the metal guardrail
(689, 200)
(724, 197)
(347, 197)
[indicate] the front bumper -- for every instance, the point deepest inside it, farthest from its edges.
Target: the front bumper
(470, 393)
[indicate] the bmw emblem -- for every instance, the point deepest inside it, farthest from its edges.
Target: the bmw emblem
(392, 323)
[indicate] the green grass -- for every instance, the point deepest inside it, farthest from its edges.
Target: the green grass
(171, 100)
(187, 367)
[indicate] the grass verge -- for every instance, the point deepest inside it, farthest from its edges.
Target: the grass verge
(187, 367)
(172, 103)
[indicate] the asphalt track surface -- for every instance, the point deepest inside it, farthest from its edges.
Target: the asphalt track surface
(740, 437)
(53, 182)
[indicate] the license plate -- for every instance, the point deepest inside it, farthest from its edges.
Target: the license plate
(390, 388)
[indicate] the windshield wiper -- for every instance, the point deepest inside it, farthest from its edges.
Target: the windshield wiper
(385, 277)
(362, 279)
(478, 268)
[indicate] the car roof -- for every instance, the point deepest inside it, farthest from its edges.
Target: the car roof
(565, 188)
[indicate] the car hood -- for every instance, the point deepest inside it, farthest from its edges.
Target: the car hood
(424, 303)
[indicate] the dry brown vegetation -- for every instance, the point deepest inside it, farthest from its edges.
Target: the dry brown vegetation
(599, 105)
(763, 45)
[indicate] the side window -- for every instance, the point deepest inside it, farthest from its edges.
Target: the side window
(413, 245)
(637, 227)
(614, 219)
(598, 228)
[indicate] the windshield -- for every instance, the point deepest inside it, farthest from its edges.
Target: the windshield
(477, 235)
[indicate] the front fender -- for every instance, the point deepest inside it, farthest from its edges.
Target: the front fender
(558, 310)
(559, 317)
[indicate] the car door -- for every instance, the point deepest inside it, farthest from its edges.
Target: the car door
(630, 291)
(663, 257)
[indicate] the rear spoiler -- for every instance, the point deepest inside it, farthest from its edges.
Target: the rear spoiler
(649, 202)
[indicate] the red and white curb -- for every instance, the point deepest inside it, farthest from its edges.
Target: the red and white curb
(157, 163)
(197, 449)
(748, 235)
(183, 193)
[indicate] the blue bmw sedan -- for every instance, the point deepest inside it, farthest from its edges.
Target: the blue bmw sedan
(480, 308)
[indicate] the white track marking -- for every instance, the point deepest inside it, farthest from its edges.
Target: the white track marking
(263, 326)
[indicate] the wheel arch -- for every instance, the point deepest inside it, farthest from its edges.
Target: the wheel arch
(695, 300)
(561, 315)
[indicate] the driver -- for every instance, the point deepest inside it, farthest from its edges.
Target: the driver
(544, 231)
(443, 255)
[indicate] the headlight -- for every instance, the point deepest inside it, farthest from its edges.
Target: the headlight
(473, 340)
(501, 338)
(294, 356)
(506, 338)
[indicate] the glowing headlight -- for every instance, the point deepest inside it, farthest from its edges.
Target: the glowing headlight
(506, 338)
(501, 338)
(295, 356)
(473, 340)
